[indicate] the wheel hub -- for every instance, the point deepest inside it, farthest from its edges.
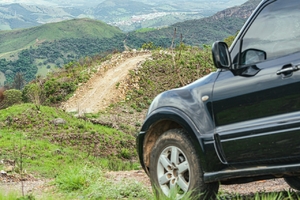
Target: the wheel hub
(173, 171)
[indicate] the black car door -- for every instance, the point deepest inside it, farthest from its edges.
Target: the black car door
(256, 105)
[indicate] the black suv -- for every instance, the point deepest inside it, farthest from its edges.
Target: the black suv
(238, 124)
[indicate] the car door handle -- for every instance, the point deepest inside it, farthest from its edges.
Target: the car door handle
(289, 69)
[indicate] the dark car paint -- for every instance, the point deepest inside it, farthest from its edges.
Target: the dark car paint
(233, 144)
(184, 106)
(260, 120)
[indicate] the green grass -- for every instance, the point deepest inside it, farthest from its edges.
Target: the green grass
(29, 137)
(75, 28)
(65, 152)
(142, 30)
(90, 183)
(9, 196)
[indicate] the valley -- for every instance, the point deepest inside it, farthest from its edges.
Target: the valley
(127, 15)
(46, 48)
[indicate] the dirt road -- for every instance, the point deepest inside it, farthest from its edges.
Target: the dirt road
(101, 90)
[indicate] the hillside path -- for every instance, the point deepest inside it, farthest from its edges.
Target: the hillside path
(101, 90)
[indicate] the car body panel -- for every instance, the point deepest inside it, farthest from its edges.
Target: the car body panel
(244, 118)
(241, 104)
(186, 107)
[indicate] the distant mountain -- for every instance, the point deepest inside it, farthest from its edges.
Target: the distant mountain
(14, 16)
(128, 15)
(75, 28)
(135, 14)
(197, 32)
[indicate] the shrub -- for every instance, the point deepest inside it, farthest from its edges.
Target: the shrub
(33, 93)
(11, 97)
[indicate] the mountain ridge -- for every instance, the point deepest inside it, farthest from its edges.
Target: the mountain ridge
(115, 12)
(56, 31)
(199, 31)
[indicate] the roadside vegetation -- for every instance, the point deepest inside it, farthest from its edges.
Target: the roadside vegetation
(40, 141)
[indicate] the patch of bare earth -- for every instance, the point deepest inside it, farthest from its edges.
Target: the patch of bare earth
(25, 185)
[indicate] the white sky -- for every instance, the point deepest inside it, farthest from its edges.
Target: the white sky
(96, 2)
(42, 2)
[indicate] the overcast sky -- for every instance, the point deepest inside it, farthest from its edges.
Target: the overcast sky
(56, 2)
(27, 1)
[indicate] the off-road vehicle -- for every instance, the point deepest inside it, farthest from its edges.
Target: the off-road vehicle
(238, 124)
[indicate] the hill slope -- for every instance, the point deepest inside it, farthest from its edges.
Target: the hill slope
(76, 28)
(38, 50)
(201, 31)
(15, 16)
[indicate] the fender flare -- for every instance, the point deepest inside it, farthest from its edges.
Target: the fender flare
(180, 118)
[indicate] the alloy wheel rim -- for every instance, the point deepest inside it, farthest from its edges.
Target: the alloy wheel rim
(173, 171)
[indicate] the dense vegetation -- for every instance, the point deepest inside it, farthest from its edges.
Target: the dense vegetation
(24, 64)
(55, 54)
(67, 43)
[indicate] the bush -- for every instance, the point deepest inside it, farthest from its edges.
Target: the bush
(11, 97)
(33, 93)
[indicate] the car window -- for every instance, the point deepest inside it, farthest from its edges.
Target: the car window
(274, 33)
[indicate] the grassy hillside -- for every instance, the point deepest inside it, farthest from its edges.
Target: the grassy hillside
(76, 28)
(38, 50)
(74, 154)
(38, 127)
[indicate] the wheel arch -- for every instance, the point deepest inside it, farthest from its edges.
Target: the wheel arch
(162, 121)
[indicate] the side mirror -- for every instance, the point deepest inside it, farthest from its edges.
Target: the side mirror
(221, 55)
(250, 56)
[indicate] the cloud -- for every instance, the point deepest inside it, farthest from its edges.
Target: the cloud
(28, 2)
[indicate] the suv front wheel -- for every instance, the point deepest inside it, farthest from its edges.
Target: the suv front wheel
(175, 168)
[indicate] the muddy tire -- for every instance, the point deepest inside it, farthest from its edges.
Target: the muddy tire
(175, 168)
(293, 182)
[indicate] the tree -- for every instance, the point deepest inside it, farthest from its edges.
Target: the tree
(229, 40)
(19, 81)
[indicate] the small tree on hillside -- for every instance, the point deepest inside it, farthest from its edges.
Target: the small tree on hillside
(19, 81)
(34, 93)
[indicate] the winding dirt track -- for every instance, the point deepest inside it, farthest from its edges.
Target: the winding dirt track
(100, 91)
